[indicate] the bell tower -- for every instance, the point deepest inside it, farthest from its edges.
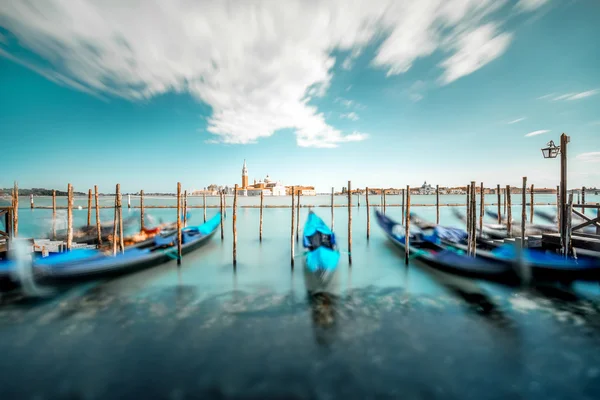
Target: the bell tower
(244, 176)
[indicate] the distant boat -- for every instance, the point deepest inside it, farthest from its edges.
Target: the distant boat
(91, 263)
(322, 256)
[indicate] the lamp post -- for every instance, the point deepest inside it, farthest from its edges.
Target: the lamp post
(551, 151)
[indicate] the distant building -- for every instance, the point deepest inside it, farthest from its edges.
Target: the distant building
(304, 190)
(426, 189)
(267, 186)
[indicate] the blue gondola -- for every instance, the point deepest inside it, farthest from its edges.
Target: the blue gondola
(446, 259)
(321, 257)
(85, 263)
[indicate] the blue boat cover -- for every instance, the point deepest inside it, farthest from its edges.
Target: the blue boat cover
(542, 259)
(320, 240)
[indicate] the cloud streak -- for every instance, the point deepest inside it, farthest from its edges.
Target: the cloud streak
(351, 116)
(257, 64)
(591, 157)
(535, 133)
(516, 120)
(570, 96)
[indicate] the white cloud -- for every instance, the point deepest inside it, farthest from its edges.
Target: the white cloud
(571, 96)
(592, 157)
(473, 50)
(516, 120)
(530, 5)
(546, 96)
(351, 115)
(256, 63)
(583, 95)
(534, 133)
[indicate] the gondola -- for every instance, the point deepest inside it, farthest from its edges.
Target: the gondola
(446, 259)
(90, 263)
(544, 266)
(321, 257)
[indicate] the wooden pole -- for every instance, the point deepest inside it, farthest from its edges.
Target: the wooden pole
(583, 199)
(260, 228)
(481, 209)
(204, 204)
(508, 212)
(128, 201)
(185, 206)
(403, 195)
(469, 209)
(384, 202)
(505, 203)
(292, 234)
(564, 140)
(222, 208)
(179, 223)
(473, 203)
(407, 227)
(121, 235)
(558, 208)
(89, 216)
(298, 216)
(234, 220)
(69, 216)
(332, 215)
(98, 228)
(531, 205)
(358, 199)
(31, 201)
(16, 210)
(368, 213)
(54, 215)
(349, 223)
(142, 210)
(115, 225)
(437, 204)
(523, 211)
(499, 205)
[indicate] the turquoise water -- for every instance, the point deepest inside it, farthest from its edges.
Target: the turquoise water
(207, 330)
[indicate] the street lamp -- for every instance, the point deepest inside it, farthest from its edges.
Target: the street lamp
(551, 151)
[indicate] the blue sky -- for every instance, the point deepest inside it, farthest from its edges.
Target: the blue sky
(383, 93)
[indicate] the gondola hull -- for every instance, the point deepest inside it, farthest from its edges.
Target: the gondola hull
(321, 258)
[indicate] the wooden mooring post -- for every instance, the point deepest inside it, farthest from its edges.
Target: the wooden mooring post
(233, 222)
(98, 227)
(15, 210)
(558, 212)
(222, 208)
(185, 205)
(292, 234)
(368, 213)
(498, 193)
(583, 199)
(54, 215)
(31, 201)
(69, 216)
(508, 212)
(298, 216)
(121, 235)
(523, 210)
(332, 211)
(141, 210)
(204, 204)
(469, 217)
(505, 202)
(384, 202)
(179, 235)
(349, 223)
(531, 202)
(89, 208)
(407, 228)
(437, 204)
(260, 224)
(473, 203)
(129, 201)
(481, 209)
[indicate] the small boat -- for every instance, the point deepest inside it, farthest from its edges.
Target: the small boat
(321, 257)
(544, 266)
(92, 263)
(444, 258)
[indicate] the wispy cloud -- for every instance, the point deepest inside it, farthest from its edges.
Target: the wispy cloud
(592, 157)
(351, 115)
(570, 96)
(248, 62)
(535, 133)
(516, 120)
(529, 5)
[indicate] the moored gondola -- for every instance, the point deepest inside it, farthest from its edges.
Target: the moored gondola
(321, 258)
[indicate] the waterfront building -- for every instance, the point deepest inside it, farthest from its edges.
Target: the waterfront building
(426, 189)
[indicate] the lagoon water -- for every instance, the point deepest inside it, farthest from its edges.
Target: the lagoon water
(206, 330)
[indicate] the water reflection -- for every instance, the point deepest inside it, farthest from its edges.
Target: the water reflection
(323, 315)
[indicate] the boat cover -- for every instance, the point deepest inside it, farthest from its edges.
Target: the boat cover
(320, 241)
